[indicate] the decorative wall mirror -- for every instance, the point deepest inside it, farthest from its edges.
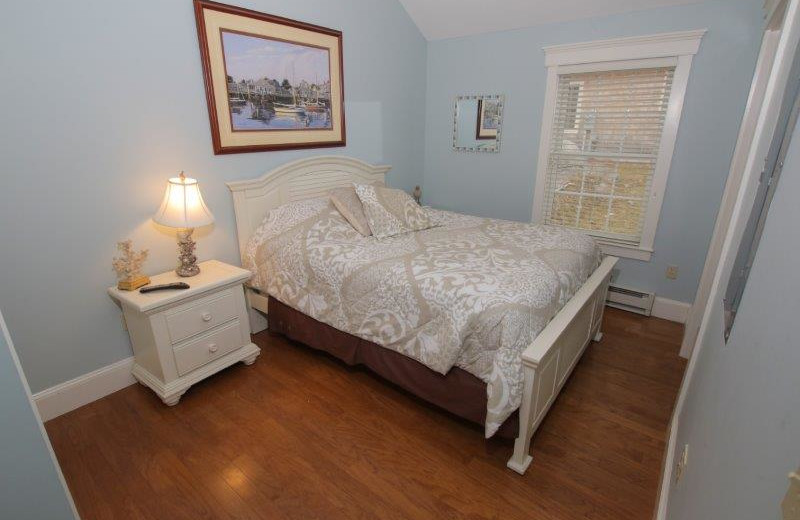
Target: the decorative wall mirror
(477, 123)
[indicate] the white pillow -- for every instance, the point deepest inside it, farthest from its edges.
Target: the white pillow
(391, 212)
(349, 205)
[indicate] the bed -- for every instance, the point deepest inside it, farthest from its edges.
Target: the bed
(430, 298)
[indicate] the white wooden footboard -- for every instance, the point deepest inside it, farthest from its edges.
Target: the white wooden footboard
(549, 360)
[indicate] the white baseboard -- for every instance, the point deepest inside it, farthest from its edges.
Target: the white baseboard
(671, 310)
(72, 394)
(84, 389)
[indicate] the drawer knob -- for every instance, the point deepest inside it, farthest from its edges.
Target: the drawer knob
(212, 347)
(206, 316)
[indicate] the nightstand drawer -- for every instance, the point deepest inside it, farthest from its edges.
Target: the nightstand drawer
(208, 347)
(201, 315)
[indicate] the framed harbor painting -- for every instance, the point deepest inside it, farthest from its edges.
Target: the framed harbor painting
(271, 83)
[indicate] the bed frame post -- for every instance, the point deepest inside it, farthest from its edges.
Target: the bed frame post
(521, 459)
(549, 360)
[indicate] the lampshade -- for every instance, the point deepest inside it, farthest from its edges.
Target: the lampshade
(183, 206)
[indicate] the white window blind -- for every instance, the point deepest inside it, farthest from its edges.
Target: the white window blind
(604, 143)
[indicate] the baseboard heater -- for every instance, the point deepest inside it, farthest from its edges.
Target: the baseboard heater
(632, 300)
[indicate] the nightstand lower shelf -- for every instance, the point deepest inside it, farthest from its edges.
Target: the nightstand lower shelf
(172, 392)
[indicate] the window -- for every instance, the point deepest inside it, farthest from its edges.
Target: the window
(611, 116)
(571, 92)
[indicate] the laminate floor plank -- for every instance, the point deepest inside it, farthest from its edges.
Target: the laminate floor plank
(301, 435)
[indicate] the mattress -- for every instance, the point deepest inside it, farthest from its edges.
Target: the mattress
(470, 292)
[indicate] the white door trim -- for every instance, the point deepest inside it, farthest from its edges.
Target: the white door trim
(744, 196)
(752, 110)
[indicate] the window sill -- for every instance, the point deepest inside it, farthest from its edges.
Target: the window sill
(636, 253)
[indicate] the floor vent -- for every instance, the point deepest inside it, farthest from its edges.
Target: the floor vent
(630, 299)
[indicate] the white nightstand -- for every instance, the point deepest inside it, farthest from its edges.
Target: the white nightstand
(181, 337)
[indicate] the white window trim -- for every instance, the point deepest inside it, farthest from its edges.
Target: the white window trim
(607, 55)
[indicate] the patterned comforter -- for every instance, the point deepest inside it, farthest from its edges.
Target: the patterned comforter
(470, 292)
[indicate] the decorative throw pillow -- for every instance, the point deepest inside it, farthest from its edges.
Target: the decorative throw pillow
(391, 212)
(349, 205)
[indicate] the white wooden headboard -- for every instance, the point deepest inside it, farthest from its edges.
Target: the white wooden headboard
(297, 180)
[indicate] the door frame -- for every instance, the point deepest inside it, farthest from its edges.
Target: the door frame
(744, 145)
(786, 20)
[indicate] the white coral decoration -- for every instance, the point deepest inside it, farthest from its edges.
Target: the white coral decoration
(129, 265)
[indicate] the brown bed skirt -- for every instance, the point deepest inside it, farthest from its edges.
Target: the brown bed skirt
(458, 391)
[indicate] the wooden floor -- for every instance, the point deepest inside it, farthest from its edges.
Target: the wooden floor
(300, 435)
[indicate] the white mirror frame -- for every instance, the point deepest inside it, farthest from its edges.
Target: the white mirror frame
(496, 148)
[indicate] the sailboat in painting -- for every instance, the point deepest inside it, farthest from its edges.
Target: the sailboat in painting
(316, 105)
(285, 108)
(294, 108)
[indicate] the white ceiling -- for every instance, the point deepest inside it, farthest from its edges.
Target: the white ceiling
(438, 19)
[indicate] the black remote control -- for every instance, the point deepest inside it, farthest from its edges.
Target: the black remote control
(164, 287)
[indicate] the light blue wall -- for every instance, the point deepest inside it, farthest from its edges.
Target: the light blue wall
(741, 416)
(105, 101)
(512, 63)
(30, 486)
(101, 102)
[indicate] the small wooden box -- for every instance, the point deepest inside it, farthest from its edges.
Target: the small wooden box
(132, 285)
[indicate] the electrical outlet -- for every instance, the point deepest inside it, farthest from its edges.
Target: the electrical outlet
(672, 272)
(124, 323)
(683, 461)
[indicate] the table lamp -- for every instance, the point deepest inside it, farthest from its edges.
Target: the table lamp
(183, 208)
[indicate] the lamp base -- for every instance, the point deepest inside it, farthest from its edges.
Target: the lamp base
(188, 261)
(187, 271)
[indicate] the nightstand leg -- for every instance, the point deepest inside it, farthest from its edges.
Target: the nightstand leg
(173, 399)
(249, 360)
